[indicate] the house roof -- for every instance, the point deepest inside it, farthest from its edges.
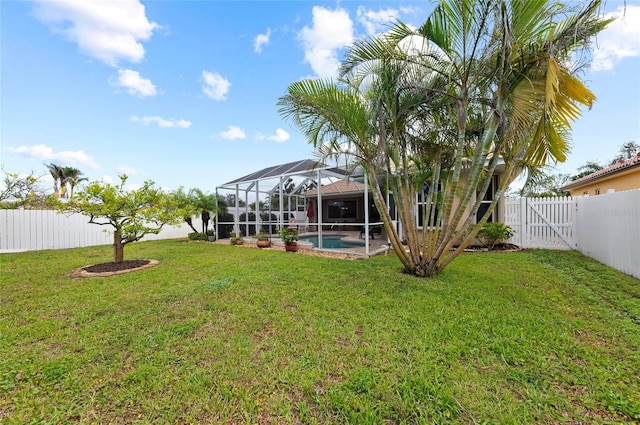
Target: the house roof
(618, 167)
(341, 187)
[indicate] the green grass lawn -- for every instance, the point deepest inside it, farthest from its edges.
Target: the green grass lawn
(223, 334)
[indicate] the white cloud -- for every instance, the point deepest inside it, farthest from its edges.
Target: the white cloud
(377, 22)
(280, 136)
(128, 187)
(261, 40)
(125, 169)
(162, 123)
(233, 133)
(45, 153)
(411, 10)
(215, 86)
(621, 39)
(106, 179)
(109, 31)
(134, 83)
(332, 30)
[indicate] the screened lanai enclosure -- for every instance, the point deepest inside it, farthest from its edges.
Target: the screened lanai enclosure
(330, 206)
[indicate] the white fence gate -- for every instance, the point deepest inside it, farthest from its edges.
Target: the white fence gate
(542, 222)
(604, 227)
(34, 230)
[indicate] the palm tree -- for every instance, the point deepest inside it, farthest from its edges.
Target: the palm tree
(207, 204)
(63, 176)
(57, 172)
(481, 83)
(71, 176)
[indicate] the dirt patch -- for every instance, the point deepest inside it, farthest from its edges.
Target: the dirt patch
(110, 269)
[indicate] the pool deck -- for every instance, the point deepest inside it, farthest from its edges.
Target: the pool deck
(375, 245)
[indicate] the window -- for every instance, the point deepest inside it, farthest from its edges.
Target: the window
(342, 209)
(487, 200)
(597, 191)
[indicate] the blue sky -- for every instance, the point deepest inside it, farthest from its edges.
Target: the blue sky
(184, 92)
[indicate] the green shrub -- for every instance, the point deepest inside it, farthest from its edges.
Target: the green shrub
(197, 236)
(288, 235)
(493, 233)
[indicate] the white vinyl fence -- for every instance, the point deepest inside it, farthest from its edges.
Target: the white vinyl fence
(604, 227)
(608, 229)
(541, 222)
(34, 230)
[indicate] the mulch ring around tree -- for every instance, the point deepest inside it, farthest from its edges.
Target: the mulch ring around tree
(111, 269)
(504, 247)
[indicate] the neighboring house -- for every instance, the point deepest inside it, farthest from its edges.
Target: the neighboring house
(623, 175)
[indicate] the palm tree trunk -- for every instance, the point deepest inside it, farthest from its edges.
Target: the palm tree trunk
(392, 234)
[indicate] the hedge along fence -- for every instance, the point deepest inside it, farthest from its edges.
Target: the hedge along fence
(35, 230)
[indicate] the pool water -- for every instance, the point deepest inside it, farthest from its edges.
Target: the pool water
(331, 242)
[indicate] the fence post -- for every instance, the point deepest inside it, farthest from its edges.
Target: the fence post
(524, 230)
(574, 222)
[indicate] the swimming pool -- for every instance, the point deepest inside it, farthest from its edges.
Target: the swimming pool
(334, 242)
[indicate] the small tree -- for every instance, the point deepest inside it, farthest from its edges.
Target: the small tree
(133, 214)
(21, 191)
(186, 202)
(627, 151)
(542, 184)
(586, 169)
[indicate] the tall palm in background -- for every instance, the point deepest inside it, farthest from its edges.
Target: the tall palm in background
(206, 204)
(72, 177)
(63, 179)
(57, 173)
(482, 83)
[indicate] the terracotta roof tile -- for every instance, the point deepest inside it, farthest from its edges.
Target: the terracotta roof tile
(621, 165)
(338, 187)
